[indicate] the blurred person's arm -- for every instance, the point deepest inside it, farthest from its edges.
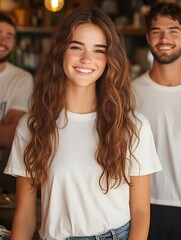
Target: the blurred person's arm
(8, 126)
(140, 207)
(24, 222)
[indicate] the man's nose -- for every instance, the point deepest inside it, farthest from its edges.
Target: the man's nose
(164, 37)
(3, 39)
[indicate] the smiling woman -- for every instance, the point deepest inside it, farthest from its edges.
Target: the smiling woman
(85, 60)
(82, 142)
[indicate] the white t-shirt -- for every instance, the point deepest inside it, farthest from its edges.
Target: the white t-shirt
(15, 88)
(72, 201)
(161, 105)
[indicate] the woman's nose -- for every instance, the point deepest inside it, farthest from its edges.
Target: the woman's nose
(86, 57)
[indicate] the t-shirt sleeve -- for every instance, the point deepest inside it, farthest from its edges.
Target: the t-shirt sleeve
(15, 165)
(21, 92)
(145, 160)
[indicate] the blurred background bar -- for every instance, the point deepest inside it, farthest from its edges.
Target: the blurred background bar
(36, 24)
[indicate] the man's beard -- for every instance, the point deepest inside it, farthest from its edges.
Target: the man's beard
(6, 57)
(163, 58)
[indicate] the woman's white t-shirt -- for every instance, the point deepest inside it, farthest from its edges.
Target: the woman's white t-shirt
(72, 202)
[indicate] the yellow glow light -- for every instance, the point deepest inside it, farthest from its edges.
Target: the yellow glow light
(54, 5)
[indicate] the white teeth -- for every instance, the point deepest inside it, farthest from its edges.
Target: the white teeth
(83, 70)
(165, 48)
(2, 48)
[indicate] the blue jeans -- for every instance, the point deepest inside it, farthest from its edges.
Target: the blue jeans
(121, 233)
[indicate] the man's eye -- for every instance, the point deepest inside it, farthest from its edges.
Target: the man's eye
(174, 31)
(155, 32)
(10, 37)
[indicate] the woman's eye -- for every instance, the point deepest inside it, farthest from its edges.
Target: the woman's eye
(75, 48)
(99, 51)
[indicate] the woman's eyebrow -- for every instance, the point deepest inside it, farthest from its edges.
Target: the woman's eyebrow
(101, 45)
(80, 43)
(77, 42)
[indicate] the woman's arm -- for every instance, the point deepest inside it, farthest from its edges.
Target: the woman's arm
(140, 207)
(24, 221)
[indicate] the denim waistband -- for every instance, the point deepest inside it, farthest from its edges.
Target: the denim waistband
(120, 233)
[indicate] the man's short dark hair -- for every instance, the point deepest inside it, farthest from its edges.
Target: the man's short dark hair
(166, 9)
(7, 19)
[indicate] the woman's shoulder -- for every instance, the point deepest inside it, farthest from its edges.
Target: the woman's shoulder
(22, 129)
(139, 119)
(142, 124)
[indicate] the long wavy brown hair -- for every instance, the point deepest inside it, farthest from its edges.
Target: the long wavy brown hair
(115, 103)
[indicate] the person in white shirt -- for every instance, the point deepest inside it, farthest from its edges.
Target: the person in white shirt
(158, 95)
(15, 88)
(82, 142)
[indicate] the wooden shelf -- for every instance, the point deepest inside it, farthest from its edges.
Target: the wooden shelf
(131, 30)
(41, 31)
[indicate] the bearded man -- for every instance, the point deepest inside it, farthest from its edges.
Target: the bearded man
(158, 96)
(15, 88)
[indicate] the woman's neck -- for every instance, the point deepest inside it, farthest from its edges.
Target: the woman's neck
(81, 101)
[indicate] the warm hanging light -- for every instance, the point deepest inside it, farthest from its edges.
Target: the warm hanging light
(54, 5)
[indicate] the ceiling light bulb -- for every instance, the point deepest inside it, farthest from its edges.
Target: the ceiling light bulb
(54, 5)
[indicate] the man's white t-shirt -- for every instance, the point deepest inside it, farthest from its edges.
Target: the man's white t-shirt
(16, 86)
(161, 106)
(72, 201)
